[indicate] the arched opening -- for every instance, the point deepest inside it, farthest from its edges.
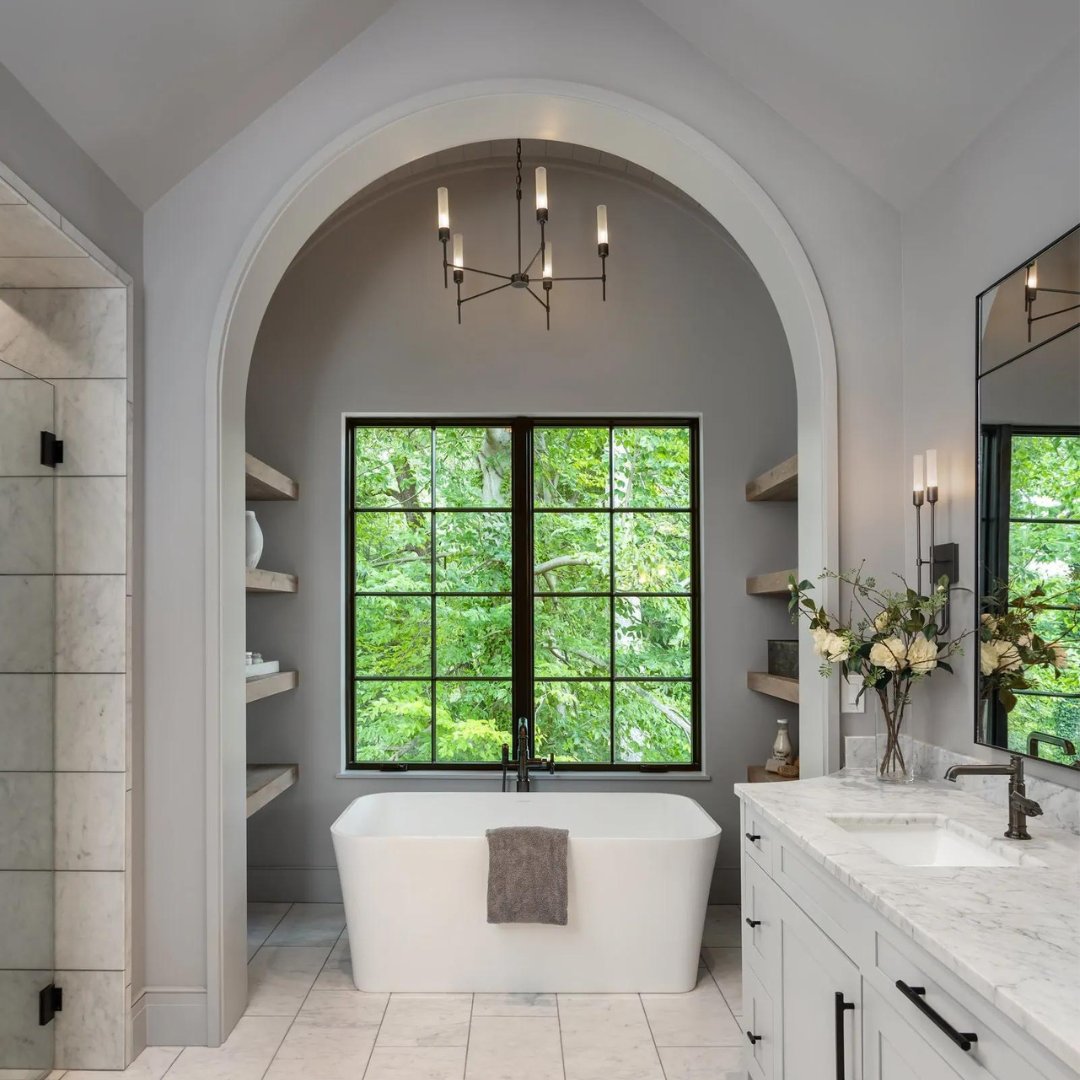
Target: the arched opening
(453, 117)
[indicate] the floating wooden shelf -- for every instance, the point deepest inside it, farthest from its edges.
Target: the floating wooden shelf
(777, 686)
(270, 581)
(263, 686)
(263, 483)
(266, 782)
(774, 584)
(779, 484)
(758, 774)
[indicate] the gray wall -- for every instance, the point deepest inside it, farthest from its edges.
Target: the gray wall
(361, 323)
(1015, 189)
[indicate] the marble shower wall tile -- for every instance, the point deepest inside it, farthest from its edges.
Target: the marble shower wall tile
(27, 525)
(26, 642)
(90, 815)
(65, 333)
(90, 910)
(91, 525)
(26, 409)
(90, 723)
(26, 840)
(90, 623)
(91, 417)
(27, 902)
(90, 1030)
(26, 1045)
(26, 722)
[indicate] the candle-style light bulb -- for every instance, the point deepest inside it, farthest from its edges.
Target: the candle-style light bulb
(931, 469)
(918, 483)
(601, 224)
(541, 188)
(1033, 276)
(458, 261)
(547, 261)
(444, 208)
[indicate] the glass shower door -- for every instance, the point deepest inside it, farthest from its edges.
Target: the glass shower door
(27, 677)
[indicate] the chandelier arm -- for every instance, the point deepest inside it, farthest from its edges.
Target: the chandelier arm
(545, 306)
(1066, 292)
(475, 296)
(489, 273)
(594, 277)
(533, 259)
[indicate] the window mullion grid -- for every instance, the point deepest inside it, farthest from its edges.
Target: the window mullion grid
(434, 560)
(611, 594)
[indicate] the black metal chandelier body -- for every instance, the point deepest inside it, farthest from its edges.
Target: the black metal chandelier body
(521, 278)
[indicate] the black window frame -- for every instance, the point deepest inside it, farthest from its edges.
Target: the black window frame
(522, 513)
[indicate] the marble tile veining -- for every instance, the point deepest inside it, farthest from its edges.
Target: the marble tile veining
(27, 525)
(90, 623)
(245, 1054)
(90, 815)
(91, 525)
(26, 722)
(979, 922)
(90, 723)
(279, 978)
(309, 924)
(152, 1064)
(92, 419)
(90, 908)
(426, 1020)
(26, 639)
(27, 905)
(26, 839)
(90, 1030)
(514, 1048)
(26, 1044)
(26, 409)
(700, 1018)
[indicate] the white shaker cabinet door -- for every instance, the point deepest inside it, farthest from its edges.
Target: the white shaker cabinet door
(820, 1008)
(892, 1050)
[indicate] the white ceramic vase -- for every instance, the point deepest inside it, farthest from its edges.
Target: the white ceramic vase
(254, 540)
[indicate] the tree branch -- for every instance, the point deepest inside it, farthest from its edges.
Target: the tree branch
(561, 560)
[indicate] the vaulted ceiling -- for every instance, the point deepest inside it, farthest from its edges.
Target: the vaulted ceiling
(892, 89)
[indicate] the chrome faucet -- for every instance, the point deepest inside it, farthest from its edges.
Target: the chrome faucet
(525, 764)
(1067, 746)
(1020, 806)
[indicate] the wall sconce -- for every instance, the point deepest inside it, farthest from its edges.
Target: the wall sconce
(1031, 294)
(944, 559)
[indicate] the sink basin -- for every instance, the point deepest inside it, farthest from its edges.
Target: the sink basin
(928, 840)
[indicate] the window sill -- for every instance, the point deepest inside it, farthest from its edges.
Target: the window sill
(537, 778)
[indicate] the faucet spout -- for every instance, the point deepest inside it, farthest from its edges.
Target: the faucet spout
(1020, 806)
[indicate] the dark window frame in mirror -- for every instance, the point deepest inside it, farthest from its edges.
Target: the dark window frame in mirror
(994, 443)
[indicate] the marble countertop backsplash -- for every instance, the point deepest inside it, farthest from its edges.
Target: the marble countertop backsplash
(1011, 933)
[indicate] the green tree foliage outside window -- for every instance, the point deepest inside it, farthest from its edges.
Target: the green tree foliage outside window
(432, 602)
(1044, 548)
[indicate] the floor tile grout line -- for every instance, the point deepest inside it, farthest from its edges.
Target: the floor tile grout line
(652, 1034)
(468, 1036)
(378, 1031)
(562, 1049)
(272, 929)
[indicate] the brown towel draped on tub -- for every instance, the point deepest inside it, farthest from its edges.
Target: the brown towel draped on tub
(527, 875)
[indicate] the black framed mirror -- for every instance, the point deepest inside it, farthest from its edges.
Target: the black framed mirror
(1027, 658)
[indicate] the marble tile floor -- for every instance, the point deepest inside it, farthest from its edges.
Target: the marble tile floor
(305, 1021)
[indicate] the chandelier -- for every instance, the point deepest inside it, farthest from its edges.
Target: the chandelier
(521, 278)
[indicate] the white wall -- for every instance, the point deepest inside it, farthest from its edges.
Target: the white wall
(1016, 188)
(195, 232)
(361, 323)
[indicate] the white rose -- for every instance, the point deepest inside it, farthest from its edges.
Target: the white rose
(1007, 658)
(835, 649)
(820, 635)
(922, 655)
(989, 621)
(1024, 641)
(888, 654)
(881, 621)
(988, 658)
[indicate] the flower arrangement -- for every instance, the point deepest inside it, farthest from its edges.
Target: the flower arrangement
(1009, 647)
(892, 639)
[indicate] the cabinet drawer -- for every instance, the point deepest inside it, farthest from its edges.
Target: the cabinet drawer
(757, 839)
(990, 1055)
(761, 923)
(759, 1027)
(893, 1050)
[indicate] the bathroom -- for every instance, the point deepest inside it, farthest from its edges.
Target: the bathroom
(270, 308)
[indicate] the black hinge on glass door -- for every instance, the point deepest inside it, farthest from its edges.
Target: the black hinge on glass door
(50, 1002)
(52, 450)
(522, 562)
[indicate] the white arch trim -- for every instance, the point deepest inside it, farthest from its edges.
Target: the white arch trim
(439, 120)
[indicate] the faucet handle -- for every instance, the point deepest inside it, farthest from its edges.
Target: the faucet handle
(1029, 807)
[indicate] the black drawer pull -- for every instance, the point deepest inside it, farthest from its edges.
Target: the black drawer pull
(753, 922)
(915, 994)
(753, 837)
(753, 1038)
(842, 1007)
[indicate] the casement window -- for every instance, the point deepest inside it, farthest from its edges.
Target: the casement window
(1031, 536)
(545, 569)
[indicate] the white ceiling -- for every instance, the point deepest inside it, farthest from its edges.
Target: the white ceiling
(892, 89)
(150, 88)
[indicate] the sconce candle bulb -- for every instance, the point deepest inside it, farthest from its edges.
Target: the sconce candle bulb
(541, 193)
(931, 476)
(601, 224)
(444, 208)
(918, 483)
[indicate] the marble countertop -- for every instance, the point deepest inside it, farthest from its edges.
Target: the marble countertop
(1011, 933)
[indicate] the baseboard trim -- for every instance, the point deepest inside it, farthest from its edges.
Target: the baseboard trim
(169, 1017)
(294, 884)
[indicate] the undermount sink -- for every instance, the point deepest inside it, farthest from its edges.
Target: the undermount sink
(927, 840)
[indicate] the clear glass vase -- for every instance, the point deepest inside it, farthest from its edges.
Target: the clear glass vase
(892, 731)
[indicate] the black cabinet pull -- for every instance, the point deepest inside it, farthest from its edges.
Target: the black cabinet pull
(916, 995)
(753, 1038)
(842, 1007)
(753, 837)
(753, 922)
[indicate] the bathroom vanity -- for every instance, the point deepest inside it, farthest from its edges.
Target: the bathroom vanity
(889, 933)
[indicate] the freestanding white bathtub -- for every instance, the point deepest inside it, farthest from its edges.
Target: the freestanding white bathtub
(413, 872)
